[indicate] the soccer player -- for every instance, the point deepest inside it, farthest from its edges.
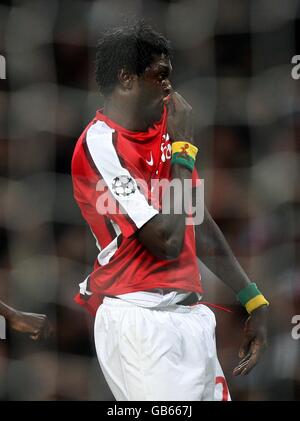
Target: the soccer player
(36, 325)
(154, 339)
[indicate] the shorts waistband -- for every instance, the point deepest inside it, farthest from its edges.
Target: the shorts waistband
(119, 303)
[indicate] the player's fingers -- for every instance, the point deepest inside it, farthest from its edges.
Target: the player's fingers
(237, 370)
(167, 91)
(181, 102)
(170, 105)
(250, 364)
(177, 101)
(246, 358)
(166, 99)
(246, 365)
(242, 364)
(36, 315)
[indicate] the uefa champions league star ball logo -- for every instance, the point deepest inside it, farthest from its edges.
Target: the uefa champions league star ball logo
(123, 186)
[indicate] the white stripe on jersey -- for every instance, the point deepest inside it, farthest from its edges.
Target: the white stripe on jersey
(97, 242)
(107, 253)
(116, 227)
(100, 145)
(83, 287)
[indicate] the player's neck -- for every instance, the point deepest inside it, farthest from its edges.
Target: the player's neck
(125, 113)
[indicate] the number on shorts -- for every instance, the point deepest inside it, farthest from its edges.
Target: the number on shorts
(225, 392)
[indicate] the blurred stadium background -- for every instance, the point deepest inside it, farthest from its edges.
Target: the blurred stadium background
(232, 61)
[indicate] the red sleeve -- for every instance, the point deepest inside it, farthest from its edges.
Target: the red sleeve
(114, 191)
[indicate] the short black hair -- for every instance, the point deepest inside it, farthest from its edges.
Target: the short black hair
(131, 47)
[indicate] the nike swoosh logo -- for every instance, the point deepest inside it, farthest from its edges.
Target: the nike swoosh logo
(151, 160)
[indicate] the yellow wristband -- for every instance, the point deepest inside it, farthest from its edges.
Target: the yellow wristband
(256, 302)
(184, 148)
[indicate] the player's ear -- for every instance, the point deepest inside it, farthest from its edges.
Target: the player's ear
(125, 78)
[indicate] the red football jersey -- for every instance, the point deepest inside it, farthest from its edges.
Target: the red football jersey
(107, 164)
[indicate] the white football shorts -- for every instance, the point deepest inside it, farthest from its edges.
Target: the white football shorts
(159, 355)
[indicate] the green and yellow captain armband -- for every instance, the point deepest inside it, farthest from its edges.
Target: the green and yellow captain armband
(184, 153)
(251, 298)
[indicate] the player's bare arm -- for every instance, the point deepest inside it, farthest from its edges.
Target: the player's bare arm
(36, 325)
(163, 235)
(216, 254)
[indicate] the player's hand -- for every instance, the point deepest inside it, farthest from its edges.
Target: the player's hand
(180, 118)
(254, 342)
(36, 325)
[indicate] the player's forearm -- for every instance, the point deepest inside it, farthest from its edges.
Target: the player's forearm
(214, 251)
(172, 224)
(164, 234)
